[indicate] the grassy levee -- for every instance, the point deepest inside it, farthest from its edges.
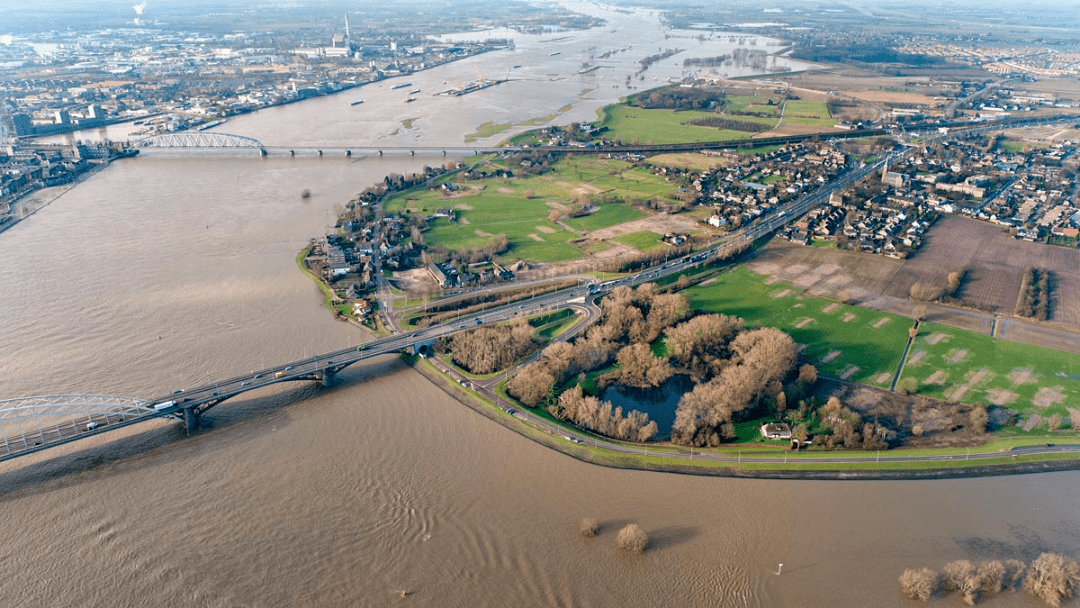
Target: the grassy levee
(328, 296)
(790, 465)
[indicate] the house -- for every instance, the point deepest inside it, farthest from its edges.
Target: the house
(437, 274)
(776, 430)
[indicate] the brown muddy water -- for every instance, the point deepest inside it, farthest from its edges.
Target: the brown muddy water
(165, 271)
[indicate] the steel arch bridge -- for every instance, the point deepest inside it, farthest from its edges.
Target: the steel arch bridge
(197, 139)
(29, 424)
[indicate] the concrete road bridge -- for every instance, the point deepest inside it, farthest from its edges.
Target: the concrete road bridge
(32, 424)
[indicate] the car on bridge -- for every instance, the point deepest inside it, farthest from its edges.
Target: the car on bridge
(91, 426)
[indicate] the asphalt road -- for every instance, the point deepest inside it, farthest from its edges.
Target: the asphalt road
(580, 298)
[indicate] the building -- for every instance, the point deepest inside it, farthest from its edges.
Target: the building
(776, 430)
(437, 274)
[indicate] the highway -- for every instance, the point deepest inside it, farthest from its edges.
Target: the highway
(188, 403)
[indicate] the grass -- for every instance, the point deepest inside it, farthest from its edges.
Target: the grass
(488, 129)
(608, 215)
(986, 367)
(597, 246)
(643, 240)
(626, 124)
(812, 113)
(519, 207)
(749, 104)
(328, 296)
(687, 160)
(1014, 146)
(667, 457)
(876, 352)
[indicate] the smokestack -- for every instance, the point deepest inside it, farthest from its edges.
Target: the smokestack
(346, 25)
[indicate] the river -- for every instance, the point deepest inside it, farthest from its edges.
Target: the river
(164, 271)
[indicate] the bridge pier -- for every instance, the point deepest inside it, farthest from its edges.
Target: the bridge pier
(327, 378)
(191, 419)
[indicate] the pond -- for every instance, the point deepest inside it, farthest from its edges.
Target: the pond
(659, 403)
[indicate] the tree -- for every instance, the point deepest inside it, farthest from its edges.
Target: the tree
(1053, 577)
(632, 539)
(908, 385)
(919, 584)
(960, 575)
(699, 346)
(530, 386)
(979, 418)
(589, 527)
(639, 368)
(991, 577)
(491, 348)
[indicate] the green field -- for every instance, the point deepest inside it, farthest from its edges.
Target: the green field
(813, 113)
(519, 207)
(627, 124)
(607, 215)
(842, 343)
(944, 362)
(749, 104)
(965, 366)
(643, 240)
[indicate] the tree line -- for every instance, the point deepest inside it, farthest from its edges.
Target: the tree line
(680, 98)
(1051, 577)
(629, 321)
(491, 348)
(457, 308)
(738, 371)
(707, 62)
(730, 124)
(1034, 301)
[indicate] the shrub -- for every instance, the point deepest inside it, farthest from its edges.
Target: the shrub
(589, 527)
(632, 539)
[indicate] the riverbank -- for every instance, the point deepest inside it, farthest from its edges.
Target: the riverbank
(1015, 456)
(30, 203)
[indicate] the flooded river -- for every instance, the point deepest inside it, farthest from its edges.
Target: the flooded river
(165, 271)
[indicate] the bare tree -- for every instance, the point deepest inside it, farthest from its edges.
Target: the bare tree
(991, 577)
(961, 576)
(632, 539)
(919, 584)
(979, 418)
(589, 527)
(1053, 577)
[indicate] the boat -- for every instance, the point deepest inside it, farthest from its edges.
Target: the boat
(414, 91)
(357, 102)
(555, 53)
(410, 99)
(211, 124)
(400, 86)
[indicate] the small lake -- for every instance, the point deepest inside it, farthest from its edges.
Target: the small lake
(659, 403)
